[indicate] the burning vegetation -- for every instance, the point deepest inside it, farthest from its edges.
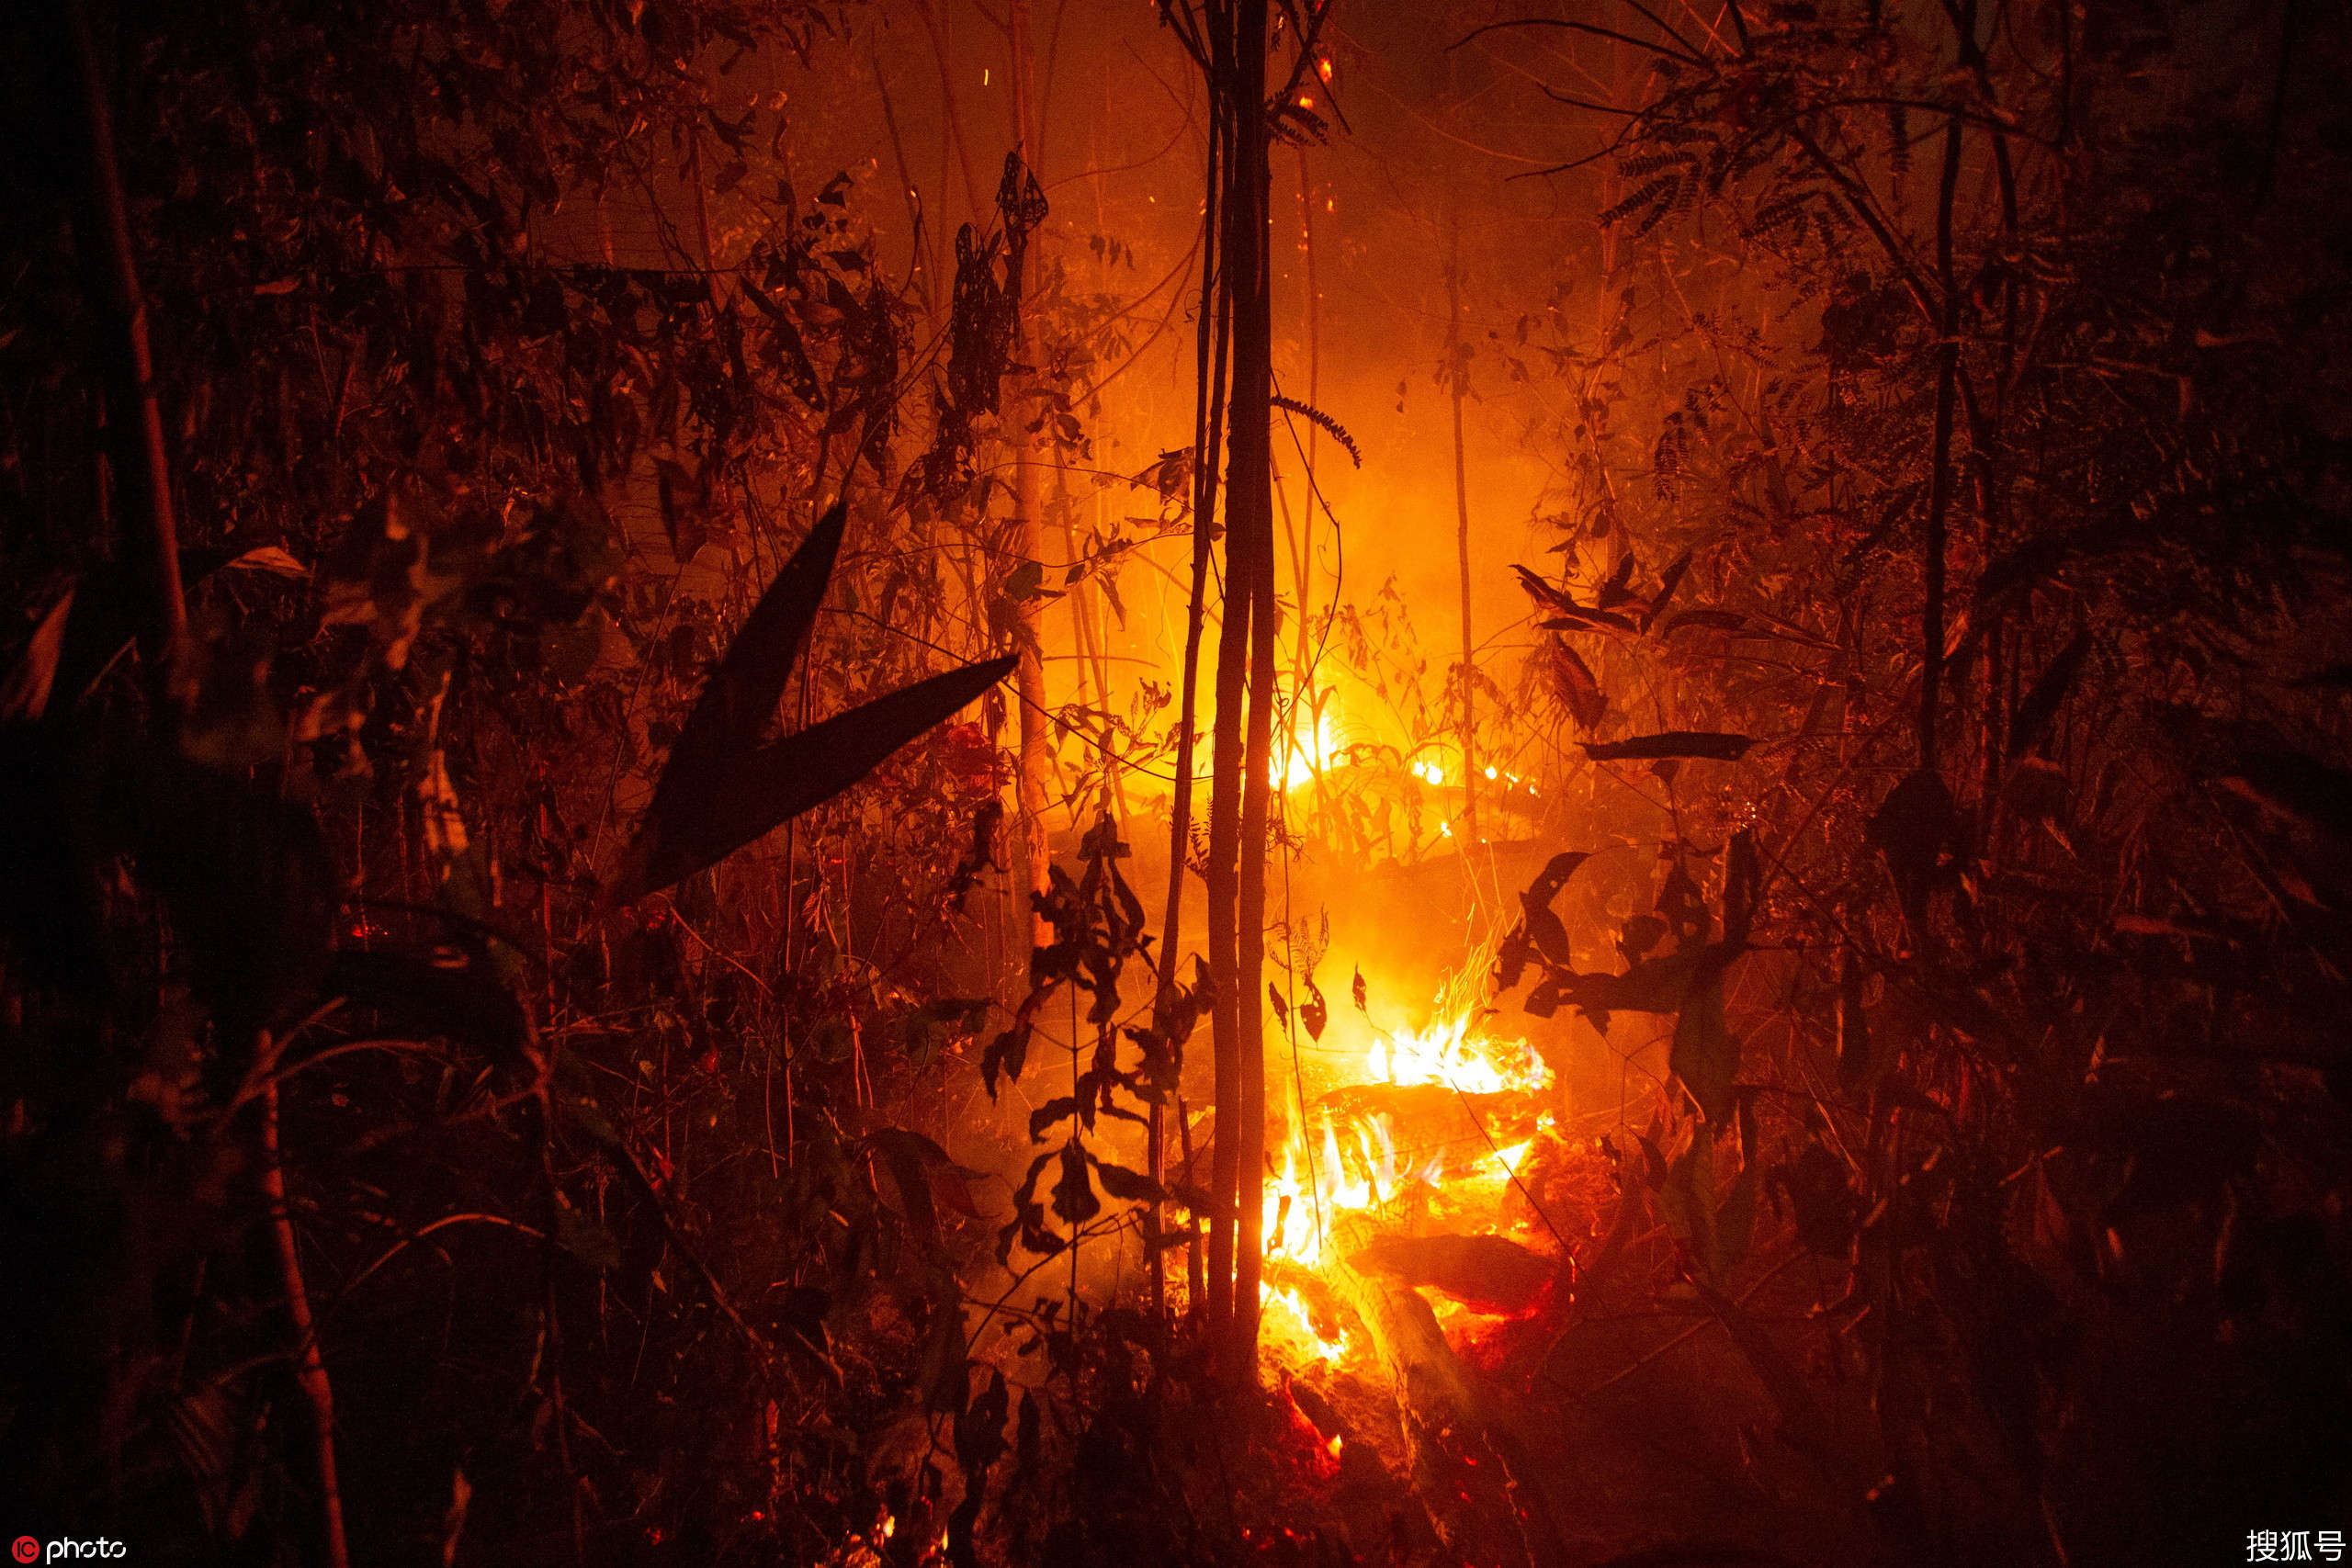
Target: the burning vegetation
(933, 782)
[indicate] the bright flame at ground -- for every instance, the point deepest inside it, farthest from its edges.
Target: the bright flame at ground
(1306, 755)
(1349, 1171)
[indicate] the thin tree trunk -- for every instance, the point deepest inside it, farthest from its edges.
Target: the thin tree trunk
(1456, 365)
(1209, 350)
(309, 1367)
(142, 477)
(1931, 631)
(1250, 539)
(1226, 760)
(1029, 676)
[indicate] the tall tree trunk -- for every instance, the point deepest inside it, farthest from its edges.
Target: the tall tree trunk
(1239, 802)
(1029, 677)
(142, 480)
(1456, 370)
(1210, 348)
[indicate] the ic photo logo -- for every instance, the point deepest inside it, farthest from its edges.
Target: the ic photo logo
(25, 1549)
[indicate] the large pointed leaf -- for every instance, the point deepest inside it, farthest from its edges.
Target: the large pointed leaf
(742, 696)
(745, 795)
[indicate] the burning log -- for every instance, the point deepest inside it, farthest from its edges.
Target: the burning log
(1459, 1448)
(1486, 1273)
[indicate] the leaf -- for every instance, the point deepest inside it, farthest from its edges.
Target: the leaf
(980, 1431)
(1356, 988)
(1707, 620)
(1059, 1109)
(1339, 435)
(584, 1236)
(1074, 1197)
(1735, 1221)
(1580, 692)
(1616, 591)
(25, 693)
(1706, 1055)
(907, 1154)
(1640, 935)
(739, 702)
(1709, 744)
(2041, 701)
(1573, 619)
(1314, 1013)
(1914, 827)
(246, 880)
(1543, 927)
(1129, 1186)
(1281, 1009)
(1007, 1054)
(946, 1373)
(788, 777)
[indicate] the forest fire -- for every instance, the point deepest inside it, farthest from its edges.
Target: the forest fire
(943, 783)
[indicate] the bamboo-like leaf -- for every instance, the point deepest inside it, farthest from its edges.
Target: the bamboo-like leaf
(695, 824)
(741, 698)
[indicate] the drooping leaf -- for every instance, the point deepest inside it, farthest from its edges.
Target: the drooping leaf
(584, 1236)
(1712, 745)
(1580, 692)
(1074, 1197)
(1007, 1054)
(245, 876)
(2040, 706)
(1576, 618)
(1543, 927)
(1670, 579)
(1061, 1107)
(1640, 936)
(1616, 591)
(1129, 1186)
(1706, 1055)
(947, 1371)
(1915, 828)
(1314, 1013)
